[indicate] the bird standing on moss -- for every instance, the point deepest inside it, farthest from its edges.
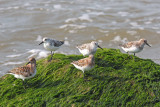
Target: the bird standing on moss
(51, 45)
(88, 48)
(84, 64)
(25, 72)
(134, 46)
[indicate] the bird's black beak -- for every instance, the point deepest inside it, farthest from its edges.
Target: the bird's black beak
(41, 43)
(28, 63)
(148, 44)
(100, 47)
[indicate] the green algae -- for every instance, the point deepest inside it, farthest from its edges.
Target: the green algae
(116, 80)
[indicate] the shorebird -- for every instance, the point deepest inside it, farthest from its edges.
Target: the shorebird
(134, 46)
(84, 64)
(88, 48)
(51, 45)
(26, 71)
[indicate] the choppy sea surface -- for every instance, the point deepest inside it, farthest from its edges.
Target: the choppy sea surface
(23, 24)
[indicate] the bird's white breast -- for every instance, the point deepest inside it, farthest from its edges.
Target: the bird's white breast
(49, 47)
(83, 68)
(132, 49)
(84, 51)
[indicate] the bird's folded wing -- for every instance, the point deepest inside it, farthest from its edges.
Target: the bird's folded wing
(129, 44)
(81, 62)
(25, 71)
(56, 43)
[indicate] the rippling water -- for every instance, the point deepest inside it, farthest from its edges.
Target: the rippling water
(23, 24)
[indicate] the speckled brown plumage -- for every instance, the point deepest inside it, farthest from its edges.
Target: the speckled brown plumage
(89, 61)
(26, 70)
(135, 43)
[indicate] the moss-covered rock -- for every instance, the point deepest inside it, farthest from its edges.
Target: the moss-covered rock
(116, 80)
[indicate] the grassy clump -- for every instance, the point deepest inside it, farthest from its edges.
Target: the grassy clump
(116, 80)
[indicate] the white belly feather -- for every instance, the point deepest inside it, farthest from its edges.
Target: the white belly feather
(132, 49)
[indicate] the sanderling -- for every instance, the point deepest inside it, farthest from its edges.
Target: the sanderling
(26, 71)
(134, 46)
(84, 64)
(88, 48)
(51, 45)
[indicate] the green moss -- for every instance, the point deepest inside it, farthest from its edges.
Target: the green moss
(116, 80)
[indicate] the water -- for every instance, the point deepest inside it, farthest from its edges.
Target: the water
(23, 24)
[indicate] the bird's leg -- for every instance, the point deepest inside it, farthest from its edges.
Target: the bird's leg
(134, 56)
(51, 56)
(128, 55)
(84, 75)
(24, 84)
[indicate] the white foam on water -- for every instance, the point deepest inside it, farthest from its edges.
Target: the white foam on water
(106, 35)
(42, 54)
(71, 20)
(107, 8)
(114, 22)
(127, 20)
(123, 13)
(85, 17)
(57, 6)
(15, 50)
(118, 39)
(141, 28)
(132, 32)
(65, 38)
(13, 63)
(27, 4)
(34, 52)
(137, 37)
(10, 8)
(38, 52)
(103, 31)
(13, 56)
(158, 32)
(93, 38)
(72, 31)
(72, 26)
(100, 41)
(155, 28)
(97, 13)
(134, 24)
(41, 9)
(63, 26)
(39, 38)
(147, 22)
(16, 7)
(67, 43)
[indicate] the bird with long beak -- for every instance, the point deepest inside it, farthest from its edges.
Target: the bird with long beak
(85, 64)
(134, 46)
(88, 48)
(51, 45)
